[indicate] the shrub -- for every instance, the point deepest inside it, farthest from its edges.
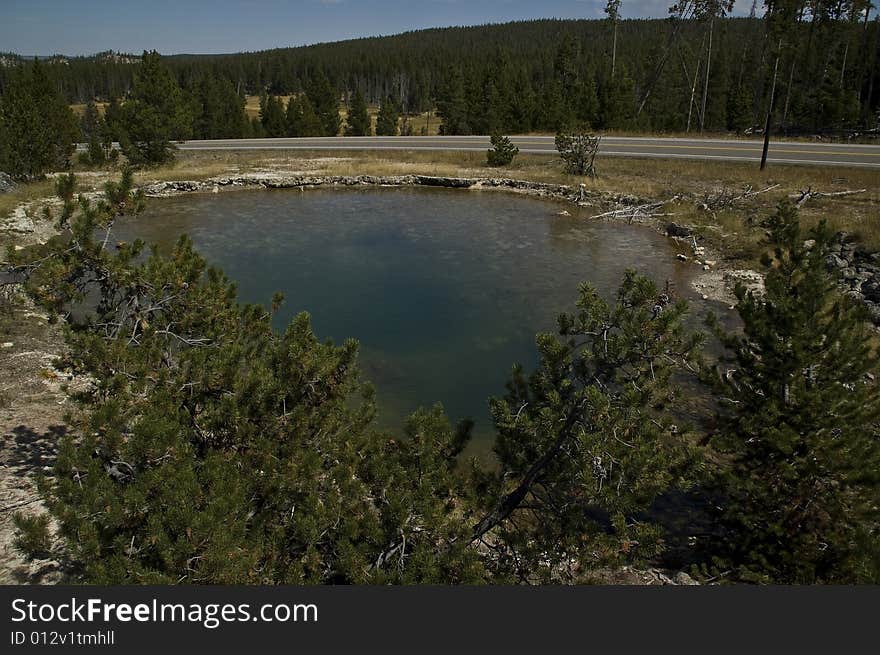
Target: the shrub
(502, 151)
(578, 150)
(32, 535)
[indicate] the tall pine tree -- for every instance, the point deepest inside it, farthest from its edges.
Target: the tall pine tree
(153, 115)
(358, 118)
(325, 100)
(800, 422)
(272, 116)
(386, 121)
(37, 128)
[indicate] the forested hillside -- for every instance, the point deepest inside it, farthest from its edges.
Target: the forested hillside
(539, 75)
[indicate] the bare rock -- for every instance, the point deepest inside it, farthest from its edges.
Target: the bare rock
(682, 578)
(447, 182)
(6, 183)
(833, 262)
(873, 311)
(871, 290)
(751, 280)
(676, 230)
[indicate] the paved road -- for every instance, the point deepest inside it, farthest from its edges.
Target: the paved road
(814, 154)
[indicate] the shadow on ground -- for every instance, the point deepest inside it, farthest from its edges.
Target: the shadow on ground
(33, 452)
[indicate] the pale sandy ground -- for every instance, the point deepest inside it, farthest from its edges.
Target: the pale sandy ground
(31, 422)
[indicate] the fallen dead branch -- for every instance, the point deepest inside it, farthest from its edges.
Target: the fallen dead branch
(808, 194)
(726, 198)
(639, 212)
(24, 503)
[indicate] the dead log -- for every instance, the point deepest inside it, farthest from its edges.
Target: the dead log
(639, 212)
(807, 194)
(726, 198)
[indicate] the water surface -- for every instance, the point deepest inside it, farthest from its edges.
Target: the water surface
(444, 289)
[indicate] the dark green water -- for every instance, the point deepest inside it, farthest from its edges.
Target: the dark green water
(444, 289)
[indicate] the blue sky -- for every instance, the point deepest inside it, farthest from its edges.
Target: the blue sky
(78, 27)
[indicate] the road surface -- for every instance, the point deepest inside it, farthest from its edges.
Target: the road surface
(813, 154)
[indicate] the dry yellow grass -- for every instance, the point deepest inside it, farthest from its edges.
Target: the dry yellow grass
(252, 105)
(80, 109)
(426, 123)
(25, 193)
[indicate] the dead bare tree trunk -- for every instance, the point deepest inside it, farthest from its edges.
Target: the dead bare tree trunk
(706, 84)
(770, 108)
(788, 92)
(511, 501)
(658, 70)
(614, 50)
(863, 60)
(693, 95)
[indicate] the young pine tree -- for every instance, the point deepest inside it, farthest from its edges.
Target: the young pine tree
(578, 149)
(799, 422)
(588, 442)
(502, 151)
(94, 133)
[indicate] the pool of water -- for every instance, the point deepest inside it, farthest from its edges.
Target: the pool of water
(444, 289)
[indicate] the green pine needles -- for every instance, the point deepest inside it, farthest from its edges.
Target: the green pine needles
(502, 151)
(589, 441)
(37, 128)
(155, 113)
(358, 117)
(800, 421)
